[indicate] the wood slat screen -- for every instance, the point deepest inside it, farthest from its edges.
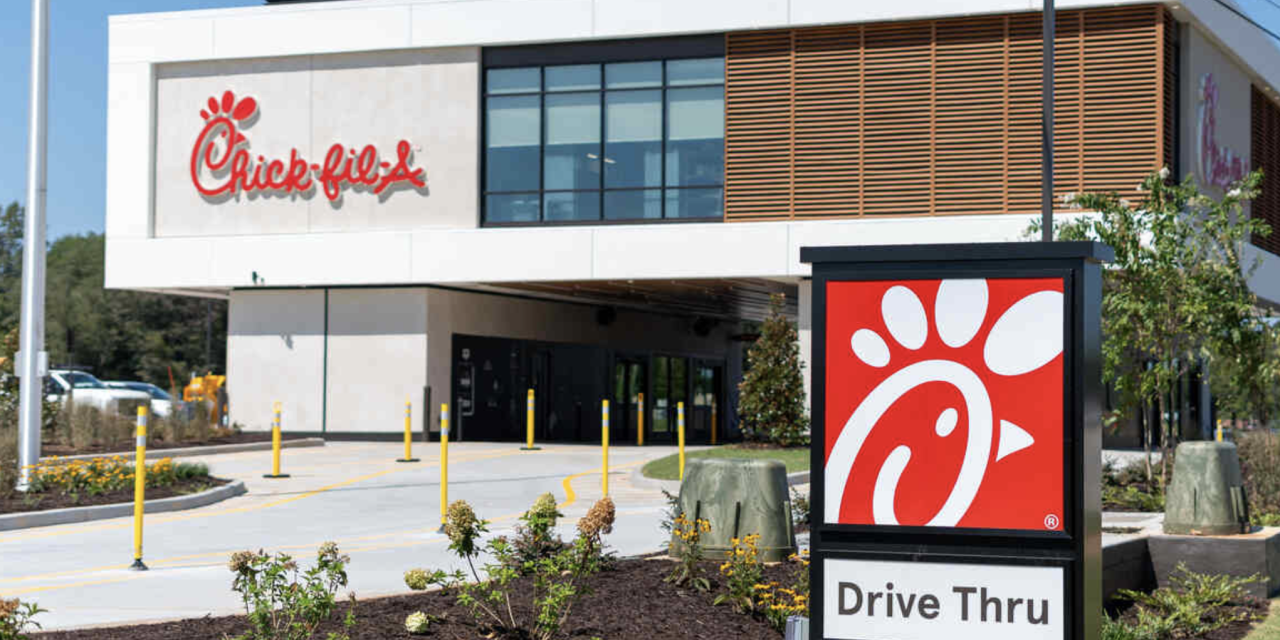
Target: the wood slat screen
(941, 117)
(1265, 152)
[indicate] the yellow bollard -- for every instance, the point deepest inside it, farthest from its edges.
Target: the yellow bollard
(714, 424)
(680, 435)
(1218, 431)
(444, 464)
(528, 421)
(408, 432)
(639, 419)
(604, 439)
(275, 446)
(139, 488)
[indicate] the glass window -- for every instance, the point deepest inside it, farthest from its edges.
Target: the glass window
(695, 136)
(632, 75)
(633, 204)
(577, 77)
(512, 207)
(633, 139)
(572, 206)
(572, 149)
(695, 203)
(618, 141)
(700, 71)
(512, 146)
(525, 80)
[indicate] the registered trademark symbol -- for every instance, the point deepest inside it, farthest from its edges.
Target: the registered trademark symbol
(1051, 521)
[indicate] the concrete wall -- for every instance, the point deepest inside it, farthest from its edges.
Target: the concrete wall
(308, 103)
(275, 352)
(377, 358)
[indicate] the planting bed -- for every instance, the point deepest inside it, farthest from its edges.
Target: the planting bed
(630, 601)
(20, 503)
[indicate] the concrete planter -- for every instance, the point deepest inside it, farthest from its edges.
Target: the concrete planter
(107, 511)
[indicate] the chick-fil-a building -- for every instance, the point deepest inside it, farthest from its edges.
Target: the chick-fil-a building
(596, 198)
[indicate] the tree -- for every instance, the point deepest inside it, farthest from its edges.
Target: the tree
(1177, 291)
(771, 406)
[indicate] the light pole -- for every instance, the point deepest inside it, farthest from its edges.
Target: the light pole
(31, 363)
(1046, 127)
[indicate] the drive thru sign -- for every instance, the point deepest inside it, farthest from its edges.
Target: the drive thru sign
(956, 424)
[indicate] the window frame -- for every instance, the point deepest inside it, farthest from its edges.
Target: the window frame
(519, 57)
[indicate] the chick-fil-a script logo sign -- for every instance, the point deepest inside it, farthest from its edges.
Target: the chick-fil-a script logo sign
(222, 164)
(944, 403)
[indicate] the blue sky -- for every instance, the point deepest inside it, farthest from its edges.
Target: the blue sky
(78, 99)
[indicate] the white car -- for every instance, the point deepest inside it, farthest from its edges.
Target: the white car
(85, 389)
(161, 401)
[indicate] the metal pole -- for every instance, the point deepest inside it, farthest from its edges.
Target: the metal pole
(1046, 127)
(31, 338)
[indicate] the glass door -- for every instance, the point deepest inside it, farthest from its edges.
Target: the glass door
(628, 383)
(704, 420)
(670, 387)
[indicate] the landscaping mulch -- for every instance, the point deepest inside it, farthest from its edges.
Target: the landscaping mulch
(21, 503)
(1253, 610)
(49, 449)
(629, 601)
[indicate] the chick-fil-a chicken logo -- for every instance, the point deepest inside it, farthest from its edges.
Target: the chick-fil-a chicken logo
(944, 403)
(222, 165)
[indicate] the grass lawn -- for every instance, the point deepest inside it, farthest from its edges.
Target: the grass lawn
(1270, 628)
(668, 468)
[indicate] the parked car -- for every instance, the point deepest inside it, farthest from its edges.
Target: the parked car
(161, 401)
(85, 389)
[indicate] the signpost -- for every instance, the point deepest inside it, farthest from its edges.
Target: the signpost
(956, 427)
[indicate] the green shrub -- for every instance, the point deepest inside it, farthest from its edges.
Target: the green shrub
(799, 507)
(284, 602)
(556, 580)
(771, 405)
(1127, 489)
(535, 537)
(1195, 605)
(1260, 464)
(16, 618)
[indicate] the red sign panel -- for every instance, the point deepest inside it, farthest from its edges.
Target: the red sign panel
(944, 403)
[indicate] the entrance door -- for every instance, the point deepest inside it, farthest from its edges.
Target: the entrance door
(705, 417)
(670, 387)
(628, 383)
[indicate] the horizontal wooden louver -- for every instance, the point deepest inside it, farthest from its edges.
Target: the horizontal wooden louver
(1265, 153)
(941, 117)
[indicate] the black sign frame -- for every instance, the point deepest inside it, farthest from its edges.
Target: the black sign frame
(1078, 546)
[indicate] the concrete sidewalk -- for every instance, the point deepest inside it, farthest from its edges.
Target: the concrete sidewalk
(384, 514)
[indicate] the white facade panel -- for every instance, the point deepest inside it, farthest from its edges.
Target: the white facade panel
(134, 262)
(498, 255)
(616, 18)
(377, 358)
(288, 261)
(437, 24)
(337, 29)
(172, 37)
(129, 136)
(275, 353)
(691, 250)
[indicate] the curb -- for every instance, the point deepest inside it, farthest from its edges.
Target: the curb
(640, 480)
(210, 450)
(102, 512)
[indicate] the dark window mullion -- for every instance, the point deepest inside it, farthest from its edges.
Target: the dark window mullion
(662, 169)
(600, 150)
(542, 144)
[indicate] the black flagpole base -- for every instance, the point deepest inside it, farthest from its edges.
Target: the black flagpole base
(531, 448)
(268, 475)
(138, 566)
(408, 459)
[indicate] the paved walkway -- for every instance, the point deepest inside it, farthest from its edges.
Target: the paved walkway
(384, 514)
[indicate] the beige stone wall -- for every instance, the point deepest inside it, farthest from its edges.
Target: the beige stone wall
(377, 358)
(275, 353)
(308, 103)
(1232, 130)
